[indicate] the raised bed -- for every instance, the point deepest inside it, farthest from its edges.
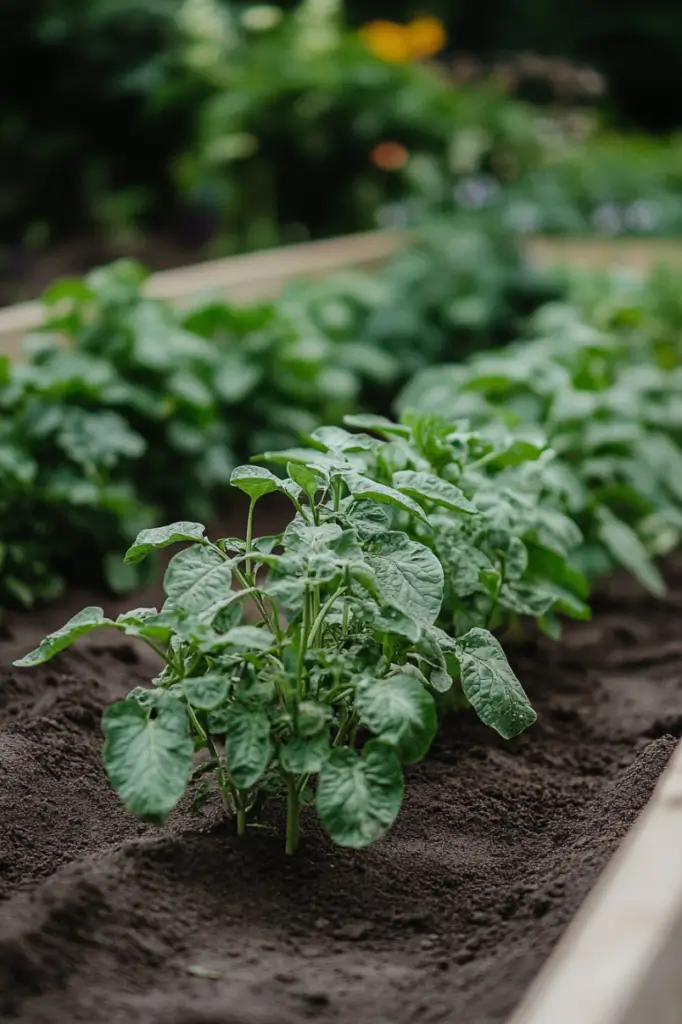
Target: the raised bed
(263, 275)
(449, 918)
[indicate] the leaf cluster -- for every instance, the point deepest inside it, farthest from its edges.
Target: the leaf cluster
(126, 412)
(601, 377)
(331, 687)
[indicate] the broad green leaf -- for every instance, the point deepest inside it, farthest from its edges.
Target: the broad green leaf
(427, 487)
(515, 559)
(255, 481)
(399, 711)
(380, 424)
(627, 550)
(206, 692)
(249, 746)
(148, 755)
(409, 575)
(359, 796)
(339, 441)
(490, 685)
(255, 638)
(393, 620)
(305, 755)
(525, 597)
(197, 582)
(163, 537)
(362, 488)
(307, 480)
(462, 561)
(87, 620)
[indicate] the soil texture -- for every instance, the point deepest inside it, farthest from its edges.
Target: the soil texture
(448, 919)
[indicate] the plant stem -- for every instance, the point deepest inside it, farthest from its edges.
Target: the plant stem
(302, 645)
(249, 539)
(241, 821)
(227, 793)
(293, 816)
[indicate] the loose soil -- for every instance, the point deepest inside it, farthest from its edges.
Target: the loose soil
(448, 919)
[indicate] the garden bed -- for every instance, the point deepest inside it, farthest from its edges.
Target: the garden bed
(448, 918)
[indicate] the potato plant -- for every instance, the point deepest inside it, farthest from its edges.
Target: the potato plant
(483, 502)
(327, 686)
(609, 403)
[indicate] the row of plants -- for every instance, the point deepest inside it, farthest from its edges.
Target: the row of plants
(315, 662)
(608, 185)
(125, 412)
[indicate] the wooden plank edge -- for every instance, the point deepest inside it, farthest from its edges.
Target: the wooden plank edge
(262, 275)
(620, 961)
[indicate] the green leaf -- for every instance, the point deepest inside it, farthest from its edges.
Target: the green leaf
(380, 424)
(163, 537)
(249, 746)
(427, 487)
(399, 711)
(358, 797)
(87, 620)
(305, 755)
(206, 692)
(306, 479)
(526, 598)
(409, 575)
(255, 638)
(362, 488)
(197, 582)
(256, 481)
(626, 549)
(393, 620)
(515, 560)
(464, 564)
(148, 755)
(490, 685)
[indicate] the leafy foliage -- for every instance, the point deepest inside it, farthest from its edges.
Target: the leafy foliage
(334, 681)
(601, 377)
(126, 411)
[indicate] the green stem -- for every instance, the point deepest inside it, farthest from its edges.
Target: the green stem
(293, 816)
(302, 645)
(241, 821)
(317, 624)
(227, 793)
(336, 486)
(249, 539)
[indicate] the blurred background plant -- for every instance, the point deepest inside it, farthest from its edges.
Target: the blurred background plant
(174, 129)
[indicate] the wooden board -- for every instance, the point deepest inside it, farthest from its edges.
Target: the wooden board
(256, 276)
(620, 962)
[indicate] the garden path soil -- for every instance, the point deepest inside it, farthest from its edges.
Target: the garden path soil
(447, 919)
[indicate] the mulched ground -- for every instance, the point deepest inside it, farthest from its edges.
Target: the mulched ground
(448, 919)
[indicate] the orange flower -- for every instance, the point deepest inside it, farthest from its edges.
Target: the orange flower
(387, 40)
(427, 37)
(389, 156)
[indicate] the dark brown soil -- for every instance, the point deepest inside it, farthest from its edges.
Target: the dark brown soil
(447, 919)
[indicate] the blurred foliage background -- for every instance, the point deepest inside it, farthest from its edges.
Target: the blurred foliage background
(169, 128)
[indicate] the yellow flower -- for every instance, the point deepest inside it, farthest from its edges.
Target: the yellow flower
(421, 38)
(387, 40)
(427, 37)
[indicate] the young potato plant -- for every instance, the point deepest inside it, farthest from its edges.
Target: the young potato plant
(612, 412)
(479, 500)
(329, 690)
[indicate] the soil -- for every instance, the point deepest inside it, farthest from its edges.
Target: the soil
(447, 919)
